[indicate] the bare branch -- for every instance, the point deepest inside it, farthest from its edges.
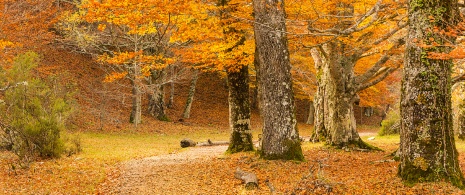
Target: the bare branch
(381, 76)
(377, 67)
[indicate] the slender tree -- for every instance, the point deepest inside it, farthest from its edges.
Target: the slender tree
(427, 148)
(280, 136)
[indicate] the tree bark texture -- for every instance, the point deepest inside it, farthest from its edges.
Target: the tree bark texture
(156, 107)
(190, 96)
(311, 113)
(239, 111)
(427, 148)
(280, 135)
(250, 179)
(337, 83)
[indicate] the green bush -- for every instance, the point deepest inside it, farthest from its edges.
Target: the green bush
(391, 125)
(33, 113)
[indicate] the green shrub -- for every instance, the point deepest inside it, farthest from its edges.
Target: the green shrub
(391, 125)
(33, 112)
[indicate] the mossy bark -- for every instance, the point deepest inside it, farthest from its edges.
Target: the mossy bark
(427, 148)
(335, 121)
(239, 111)
(280, 138)
(238, 86)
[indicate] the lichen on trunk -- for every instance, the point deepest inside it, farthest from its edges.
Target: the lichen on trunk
(156, 107)
(280, 139)
(239, 111)
(427, 148)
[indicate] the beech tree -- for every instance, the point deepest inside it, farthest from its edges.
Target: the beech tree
(351, 45)
(228, 49)
(427, 144)
(280, 136)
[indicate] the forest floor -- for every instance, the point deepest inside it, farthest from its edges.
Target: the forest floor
(206, 170)
(154, 163)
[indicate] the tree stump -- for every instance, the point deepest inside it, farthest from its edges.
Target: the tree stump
(250, 179)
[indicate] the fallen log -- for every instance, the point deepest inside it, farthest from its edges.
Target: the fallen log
(186, 142)
(250, 179)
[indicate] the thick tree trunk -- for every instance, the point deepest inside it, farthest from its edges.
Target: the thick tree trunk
(190, 96)
(280, 135)
(427, 148)
(338, 105)
(239, 111)
(156, 107)
(311, 114)
(319, 132)
(336, 93)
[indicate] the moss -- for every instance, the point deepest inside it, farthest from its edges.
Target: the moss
(163, 118)
(412, 173)
(240, 142)
(293, 152)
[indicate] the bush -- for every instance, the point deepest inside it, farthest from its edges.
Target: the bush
(391, 125)
(33, 113)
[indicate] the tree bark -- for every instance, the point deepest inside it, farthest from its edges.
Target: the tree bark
(427, 148)
(190, 96)
(250, 179)
(239, 111)
(336, 94)
(136, 111)
(280, 135)
(156, 107)
(461, 125)
(311, 114)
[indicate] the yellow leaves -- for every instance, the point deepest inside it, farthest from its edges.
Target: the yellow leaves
(4, 44)
(114, 76)
(101, 27)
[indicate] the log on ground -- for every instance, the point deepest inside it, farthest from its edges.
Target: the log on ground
(250, 179)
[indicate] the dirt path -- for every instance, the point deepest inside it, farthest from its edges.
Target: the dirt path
(143, 175)
(157, 174)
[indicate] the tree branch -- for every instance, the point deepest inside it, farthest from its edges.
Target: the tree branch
(381, 76)
(458, 78)
(378, 66)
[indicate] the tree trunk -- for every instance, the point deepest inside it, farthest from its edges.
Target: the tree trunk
(427, 145)
(461, 126)
(136, 111)
(239, 111)
(319, 130)
(280, 135)
(336, 93)
(311, 113)
(338, 111)
(173, 78)
(190, 96)
(156, 107)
